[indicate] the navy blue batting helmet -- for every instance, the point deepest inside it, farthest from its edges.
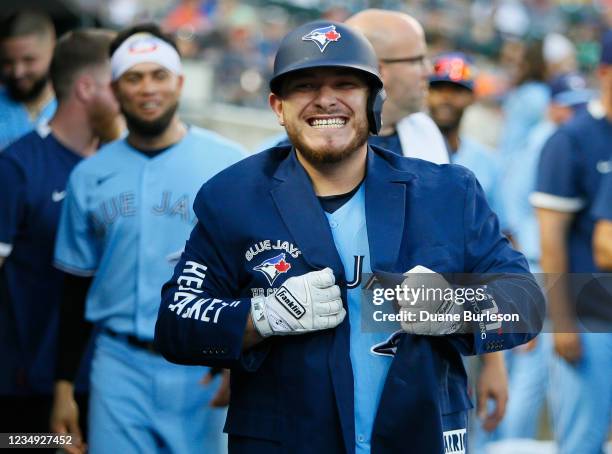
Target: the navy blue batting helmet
(330, 44)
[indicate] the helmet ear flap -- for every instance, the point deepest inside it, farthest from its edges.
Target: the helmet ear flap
(375, 103)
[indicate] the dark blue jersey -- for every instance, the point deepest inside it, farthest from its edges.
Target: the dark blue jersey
(571, 166)
(602, 208)
(33, 175)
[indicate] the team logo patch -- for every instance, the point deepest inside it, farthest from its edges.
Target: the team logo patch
(274, 267)
(142, 45)
(322, 36)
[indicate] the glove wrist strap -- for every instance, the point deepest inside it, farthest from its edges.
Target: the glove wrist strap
(260, 317)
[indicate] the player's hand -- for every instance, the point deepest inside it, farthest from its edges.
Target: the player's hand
(65, 416)
(421, 277)
(303, 304)
(568, 346)
(492, 386)
(222, 396)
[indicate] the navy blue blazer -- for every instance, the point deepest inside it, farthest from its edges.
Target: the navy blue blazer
(294, 394)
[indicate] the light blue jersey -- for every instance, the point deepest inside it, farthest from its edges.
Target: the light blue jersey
(126, 218)
(486, 166)
(15, 120)
(524, 107)
(348, 226)
(518, 182)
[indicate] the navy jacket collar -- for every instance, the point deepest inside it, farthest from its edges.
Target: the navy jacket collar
(386, 187)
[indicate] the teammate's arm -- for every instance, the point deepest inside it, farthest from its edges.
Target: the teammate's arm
(557, 199)
(492, 385)
(554, 229)
(602, 244)
(74, 334)
(602, 235)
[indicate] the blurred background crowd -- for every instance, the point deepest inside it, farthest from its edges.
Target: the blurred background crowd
(229, 45)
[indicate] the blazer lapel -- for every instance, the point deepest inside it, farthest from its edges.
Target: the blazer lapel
(386, 197)
(302, 214)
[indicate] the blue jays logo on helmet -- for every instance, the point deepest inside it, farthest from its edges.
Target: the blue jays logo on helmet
(274, 267)
(322, 36)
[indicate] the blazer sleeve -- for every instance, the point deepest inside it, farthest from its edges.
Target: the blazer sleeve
(510, 287)
(200, 322)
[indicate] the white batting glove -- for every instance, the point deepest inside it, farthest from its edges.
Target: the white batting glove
(424, 307)
(305, 303)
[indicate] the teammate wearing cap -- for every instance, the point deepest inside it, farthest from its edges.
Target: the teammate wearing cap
(26, 99)
(572, 164)
(125, 220)
(33, 175)
(269, 283)
(451, 91)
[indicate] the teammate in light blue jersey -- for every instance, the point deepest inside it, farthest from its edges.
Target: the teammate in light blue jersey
(125, 221)
(26, 100)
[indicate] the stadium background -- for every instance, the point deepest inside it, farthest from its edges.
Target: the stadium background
(229, 46)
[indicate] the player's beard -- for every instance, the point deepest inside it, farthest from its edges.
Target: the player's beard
(325, 155)
(149, 128)
(446, 117)
(106, 125)
(20, 95)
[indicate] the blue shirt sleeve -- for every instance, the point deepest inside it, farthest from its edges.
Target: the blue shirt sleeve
(12, 202)
(557, 185)
(76, 249)
(602, 207)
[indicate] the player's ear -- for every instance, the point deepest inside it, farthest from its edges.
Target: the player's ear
(84, 87)
(276, 104)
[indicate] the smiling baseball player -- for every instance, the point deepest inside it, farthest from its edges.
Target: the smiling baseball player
(269, 283)
(126, 217)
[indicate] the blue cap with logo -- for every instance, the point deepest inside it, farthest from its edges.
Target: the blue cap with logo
(455, 68)
(570, 90)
